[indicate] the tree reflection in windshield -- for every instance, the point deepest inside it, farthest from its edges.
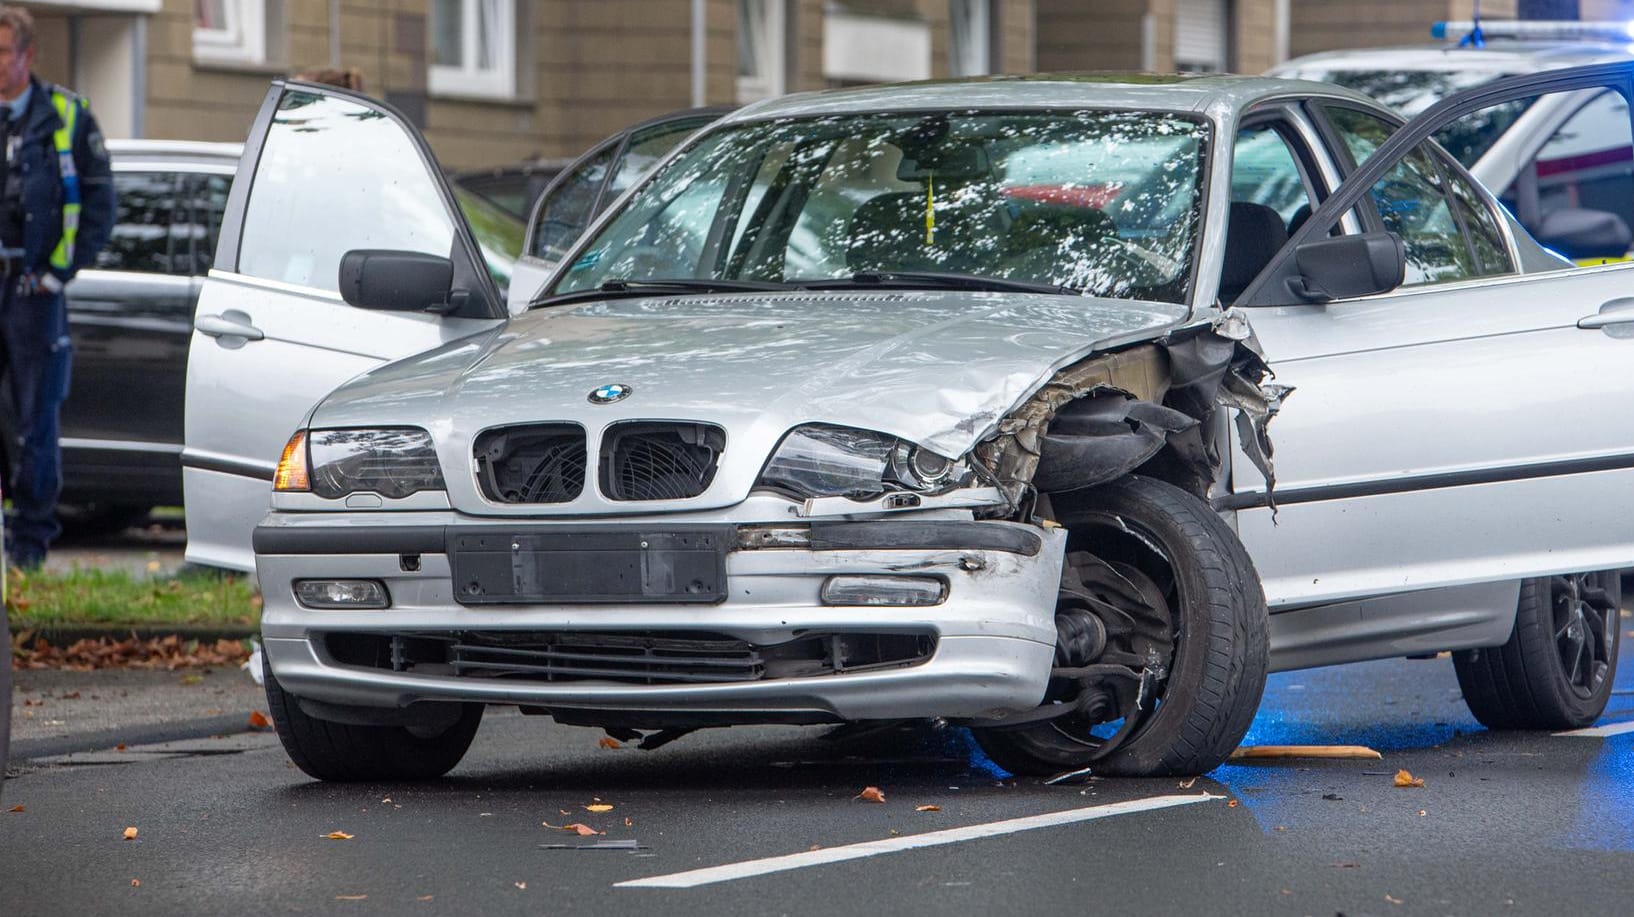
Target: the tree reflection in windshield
(1100, 201)
(1411, 91)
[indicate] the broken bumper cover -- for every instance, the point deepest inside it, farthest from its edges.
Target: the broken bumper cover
(984, 650)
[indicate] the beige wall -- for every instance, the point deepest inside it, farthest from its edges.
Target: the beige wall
(1325, 25)
(1075, 35)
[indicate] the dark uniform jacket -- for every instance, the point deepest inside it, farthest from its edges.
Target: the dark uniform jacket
(42, 190)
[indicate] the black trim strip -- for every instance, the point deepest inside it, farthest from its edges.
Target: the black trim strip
(919, 536)
(1411, 483)
(825, 536)
(230, 466)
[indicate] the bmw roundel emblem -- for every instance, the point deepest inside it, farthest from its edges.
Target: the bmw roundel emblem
(607, 394)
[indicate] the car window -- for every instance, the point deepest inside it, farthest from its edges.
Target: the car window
(1411, 91)
(1265, 170)
(307, 207)
(199, 220)
(498, 233)
(1414, 202)
(1583, 172)
(143, 237)
(566, 209)
(1480, 226)
(646, 148)
(1102, 201)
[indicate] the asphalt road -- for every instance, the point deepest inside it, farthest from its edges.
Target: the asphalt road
(1522, 824)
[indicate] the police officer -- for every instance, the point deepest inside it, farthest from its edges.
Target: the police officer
(56, 212)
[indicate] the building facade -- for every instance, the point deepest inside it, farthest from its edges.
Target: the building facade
(495, 81)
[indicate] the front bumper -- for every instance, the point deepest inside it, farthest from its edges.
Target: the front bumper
(993, 635)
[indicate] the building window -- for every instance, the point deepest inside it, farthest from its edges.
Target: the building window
(760, 49)
(473, 47)
(230, 31)
(970, 33)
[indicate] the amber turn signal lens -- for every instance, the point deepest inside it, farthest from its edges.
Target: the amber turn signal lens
(292, 473)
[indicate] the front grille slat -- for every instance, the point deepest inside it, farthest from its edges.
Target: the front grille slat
(659, 461)
(538, 463)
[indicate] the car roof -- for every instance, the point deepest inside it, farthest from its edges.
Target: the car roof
(1135, 91)
(176, 151)
(1499, 56)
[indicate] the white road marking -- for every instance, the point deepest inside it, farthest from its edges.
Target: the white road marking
(750, 868)
(1601, 732)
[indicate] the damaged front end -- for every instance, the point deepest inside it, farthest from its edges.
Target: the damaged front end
(1154, 407)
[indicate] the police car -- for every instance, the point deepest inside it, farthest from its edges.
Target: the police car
(1562, 163)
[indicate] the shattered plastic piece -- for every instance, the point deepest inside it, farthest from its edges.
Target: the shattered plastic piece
(625, 844)
(1333, 797)
(871, 794)
(1307, 751)
(1406, 779)
(253, 664)
(1062, 778)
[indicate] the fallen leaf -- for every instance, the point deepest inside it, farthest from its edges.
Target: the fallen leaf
(870, 794)
(130, 834)
(629, 823)
(927, 808)
(425, 897)
(73, 695)
(1280, 828)
(563, 812)
(1422, 813)
(1188, 784)
(192, 679)
(610, 742)
(258, 720)
(351, 897)
(1307, 751)
(1405, 778)
(1345, 865)
(119, 747)
(815, 847)
(17, 808)
(520, 885)
(136, 883)
(598, 807)
(1231, 804)
(1392, 899)
(582, 830)
(337, 836)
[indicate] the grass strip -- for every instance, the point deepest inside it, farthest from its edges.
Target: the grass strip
(91, 597)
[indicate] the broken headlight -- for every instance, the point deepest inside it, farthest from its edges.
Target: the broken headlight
(390, 462)
(818, 460)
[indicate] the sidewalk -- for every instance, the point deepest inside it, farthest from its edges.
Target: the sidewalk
(58, 713)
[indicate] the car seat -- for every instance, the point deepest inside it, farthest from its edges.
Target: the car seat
(1254, 233)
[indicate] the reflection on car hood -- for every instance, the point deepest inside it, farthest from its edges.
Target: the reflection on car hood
(936, 368)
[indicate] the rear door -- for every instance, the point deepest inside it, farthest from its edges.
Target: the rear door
(1471, 425)
(325, 171)
(586, 187)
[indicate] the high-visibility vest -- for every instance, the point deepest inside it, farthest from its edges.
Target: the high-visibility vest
(68, 110)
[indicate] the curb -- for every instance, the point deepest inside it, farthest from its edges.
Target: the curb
(26, 750)
(65, 635)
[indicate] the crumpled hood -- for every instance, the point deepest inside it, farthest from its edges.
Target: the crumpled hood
(936, 368)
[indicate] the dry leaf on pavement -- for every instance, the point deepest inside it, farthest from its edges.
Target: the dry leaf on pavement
(130, 834)
(1307, 751)
(258, 720)
(582, 830)
(520, 885)
(351, 897)
(927, 808)
(1405, 778)
(598, 807)
(136, 883)
(336, 836)
(870, 794)
(16, 809)
(1392, 899)
(609, 742)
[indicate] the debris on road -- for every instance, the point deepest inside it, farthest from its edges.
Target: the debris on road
(32, 652)
(626, 845)
(259, 721)
(610, 742)
(335, 836)
(1062, 778)
(578, 828)
(1406, 779)
(351, 897)
(927, 808)
(17, 808)
(1307, 751)
(598, 807)
(136, 883)
(130, 834)
(1333, 797)
(870, 794)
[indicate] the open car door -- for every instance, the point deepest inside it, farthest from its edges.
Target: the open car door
(325, 171)
(1468, 420)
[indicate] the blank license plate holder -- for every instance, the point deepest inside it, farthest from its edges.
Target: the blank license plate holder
(590, 566)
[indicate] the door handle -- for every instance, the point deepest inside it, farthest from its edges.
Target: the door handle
(1613, 312)
(232, 323)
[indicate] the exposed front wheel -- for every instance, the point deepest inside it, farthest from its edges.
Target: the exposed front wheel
(1557, 669)
(335, 751)
(1161, 647)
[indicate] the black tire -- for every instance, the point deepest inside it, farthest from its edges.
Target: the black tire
(344, 752)
(1220, 644)
(1528, 682)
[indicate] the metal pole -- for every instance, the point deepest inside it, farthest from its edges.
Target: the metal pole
(699, 97)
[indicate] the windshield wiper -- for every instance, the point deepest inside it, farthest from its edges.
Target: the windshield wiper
(624, 289)
(938, 280)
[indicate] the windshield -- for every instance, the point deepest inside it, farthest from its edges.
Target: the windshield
(1105, 202)
(1411, 91)
(498, 231)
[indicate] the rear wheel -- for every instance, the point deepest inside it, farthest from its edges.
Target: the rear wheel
(344, 752)
(1161, 648)
(1557, 669)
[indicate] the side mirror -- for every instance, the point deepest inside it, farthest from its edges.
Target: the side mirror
(1578, 232)
(397, 281)
(1345, 266)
